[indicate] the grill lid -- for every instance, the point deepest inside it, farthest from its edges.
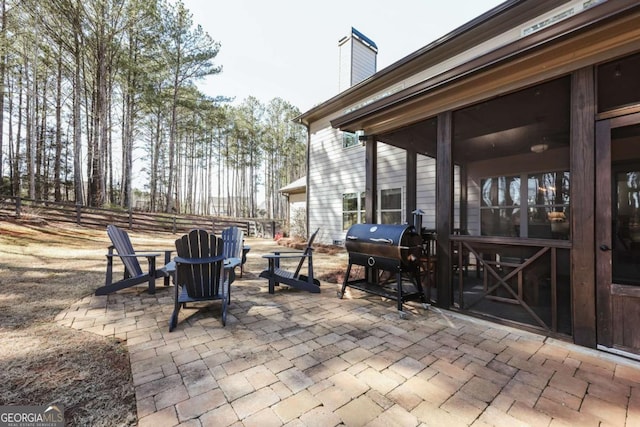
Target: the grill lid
(395, 241)
(383, 234)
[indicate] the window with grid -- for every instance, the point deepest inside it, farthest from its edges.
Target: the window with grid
(352, 209)
(391, 206)
(538, 210)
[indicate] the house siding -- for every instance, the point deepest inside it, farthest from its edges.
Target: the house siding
(336, 170)
(333, 171)
(426, 190)
(392, 171)
(344, 76)
(363, 64)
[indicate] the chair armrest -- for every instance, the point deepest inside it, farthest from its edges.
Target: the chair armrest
(197, 261)
(170, 267)
(141, 255)
(232, 262)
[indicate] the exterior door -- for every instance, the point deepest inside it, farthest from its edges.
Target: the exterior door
(618, 234)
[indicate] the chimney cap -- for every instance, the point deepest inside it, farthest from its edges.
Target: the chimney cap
(366, 40)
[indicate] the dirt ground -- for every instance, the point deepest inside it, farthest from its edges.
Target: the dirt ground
(44, 268)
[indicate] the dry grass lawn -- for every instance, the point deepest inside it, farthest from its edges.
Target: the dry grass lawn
(44, 268)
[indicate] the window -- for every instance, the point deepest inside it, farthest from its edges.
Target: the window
(548, 205)
(391, 206)
(350, 139)
(500, 206)
(545, 206)
(352, 209)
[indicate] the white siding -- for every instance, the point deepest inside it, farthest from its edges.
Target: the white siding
(344, 76)
(363, 63)
(426, 190)
(392, 171)
(332, 172)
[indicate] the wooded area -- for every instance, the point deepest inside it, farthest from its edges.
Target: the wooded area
(99, 96)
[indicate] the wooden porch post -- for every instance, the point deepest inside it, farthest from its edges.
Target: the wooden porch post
(371, 179)
(464, 223)
(583, 282)
(444, 196)
(411, 185)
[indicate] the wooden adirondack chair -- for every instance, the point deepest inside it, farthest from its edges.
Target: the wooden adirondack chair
(200, 272)
(133, 272)
(233, 239)
(277, 275)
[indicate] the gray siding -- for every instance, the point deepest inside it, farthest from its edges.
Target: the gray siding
(363, 63)
(426, 190)
(332, 172)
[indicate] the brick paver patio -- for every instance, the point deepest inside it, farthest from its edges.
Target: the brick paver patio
(301, 359)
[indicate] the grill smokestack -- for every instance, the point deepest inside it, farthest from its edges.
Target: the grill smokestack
(358, 59)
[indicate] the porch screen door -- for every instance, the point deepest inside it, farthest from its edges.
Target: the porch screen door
(618, 234)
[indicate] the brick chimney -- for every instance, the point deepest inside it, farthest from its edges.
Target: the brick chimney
(357, 62)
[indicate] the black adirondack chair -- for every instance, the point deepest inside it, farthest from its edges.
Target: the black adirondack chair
(133, 272)
(277, 275)
(200, 272)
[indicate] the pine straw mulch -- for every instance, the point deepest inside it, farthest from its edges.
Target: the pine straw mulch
(45, 268)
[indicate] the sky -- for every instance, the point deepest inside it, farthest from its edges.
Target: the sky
(289, 48)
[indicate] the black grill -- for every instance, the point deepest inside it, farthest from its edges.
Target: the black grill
(385, 248)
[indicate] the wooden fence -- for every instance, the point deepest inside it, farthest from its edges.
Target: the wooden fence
(21, 208)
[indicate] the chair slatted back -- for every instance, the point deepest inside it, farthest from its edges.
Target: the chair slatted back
(203, 280)
(307, 251)
(120, 240)
(233, 238)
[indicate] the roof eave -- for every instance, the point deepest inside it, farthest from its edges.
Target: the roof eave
(494, 58)
(352, 94)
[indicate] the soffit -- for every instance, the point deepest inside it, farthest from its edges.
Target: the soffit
(617, 33)
(504, 17)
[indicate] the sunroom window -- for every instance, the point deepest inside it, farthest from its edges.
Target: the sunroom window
(500, 206)
(545, 206)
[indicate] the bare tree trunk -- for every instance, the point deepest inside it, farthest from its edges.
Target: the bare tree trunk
(78, 185)
(16, 164)
(41, 179)
(10, 133)
(57, 194)
(30, 134)
(3, 61)
(155, 162)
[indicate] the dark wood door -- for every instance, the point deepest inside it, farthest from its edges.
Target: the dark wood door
(618, 234)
